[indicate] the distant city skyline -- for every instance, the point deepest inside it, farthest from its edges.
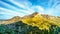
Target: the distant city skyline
(11, 8)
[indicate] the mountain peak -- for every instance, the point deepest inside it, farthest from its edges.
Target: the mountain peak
(16, 17)
(35, 13)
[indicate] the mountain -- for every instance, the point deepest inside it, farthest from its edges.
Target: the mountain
(35, 19)
(41, 21)
(45, 23)
(12, 20)
(53, 18)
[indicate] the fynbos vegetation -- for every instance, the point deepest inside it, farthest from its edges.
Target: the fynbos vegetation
(21, 28)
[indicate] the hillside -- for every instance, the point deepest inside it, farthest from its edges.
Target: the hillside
(45, 24)
(41, 21)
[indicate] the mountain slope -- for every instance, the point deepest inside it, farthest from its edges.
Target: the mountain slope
(35, 19)
(12, 20)
(40, 21)
(52, 18)
(31, 24)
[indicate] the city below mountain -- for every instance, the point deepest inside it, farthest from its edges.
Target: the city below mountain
(31, 24)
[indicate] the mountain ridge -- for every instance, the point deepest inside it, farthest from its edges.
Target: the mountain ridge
(35, 19)
(31, 15)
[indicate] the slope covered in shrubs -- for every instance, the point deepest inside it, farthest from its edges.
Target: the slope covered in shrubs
(32, 24)
(21, 28)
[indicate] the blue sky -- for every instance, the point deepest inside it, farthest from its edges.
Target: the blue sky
(11, 8)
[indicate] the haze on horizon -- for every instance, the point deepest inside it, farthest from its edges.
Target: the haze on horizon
(11, 8)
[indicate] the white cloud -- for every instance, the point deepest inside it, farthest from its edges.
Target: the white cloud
(25, 5)
(38, 9)
(28, 8)
(18, 4)
(10, 12)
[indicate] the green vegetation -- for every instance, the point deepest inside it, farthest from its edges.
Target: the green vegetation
(33, 24)
(21, 28)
